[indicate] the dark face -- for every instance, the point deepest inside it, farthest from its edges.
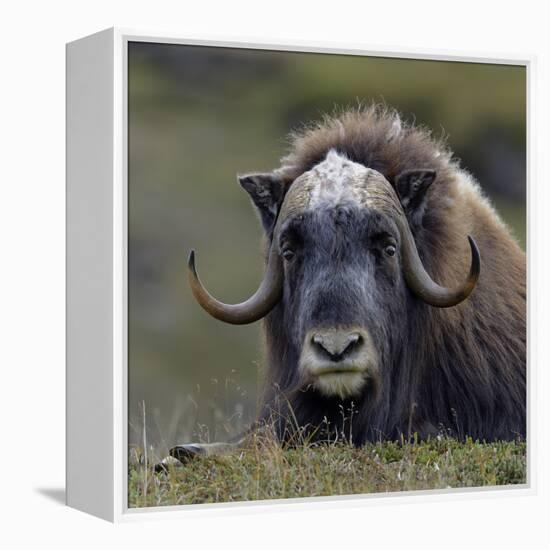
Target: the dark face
(344, 295)
(341, 271)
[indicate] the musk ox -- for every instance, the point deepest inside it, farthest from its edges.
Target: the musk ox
(392, 290)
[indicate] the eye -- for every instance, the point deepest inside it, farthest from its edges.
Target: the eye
(390, 250)
(288, 254)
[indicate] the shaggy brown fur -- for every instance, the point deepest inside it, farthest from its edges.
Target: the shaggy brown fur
(467, 363)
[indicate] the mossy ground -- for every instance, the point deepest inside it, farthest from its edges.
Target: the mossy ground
(264, 470)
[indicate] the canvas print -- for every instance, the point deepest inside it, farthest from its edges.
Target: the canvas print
(326, 275)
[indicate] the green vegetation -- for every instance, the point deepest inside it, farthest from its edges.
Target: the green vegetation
(264, 470)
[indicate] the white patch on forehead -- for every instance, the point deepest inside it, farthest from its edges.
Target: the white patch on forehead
(337, 180)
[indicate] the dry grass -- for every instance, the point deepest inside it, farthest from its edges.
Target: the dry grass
(265, 470)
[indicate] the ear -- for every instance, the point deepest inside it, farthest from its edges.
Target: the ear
(267, 192)
(411, 186)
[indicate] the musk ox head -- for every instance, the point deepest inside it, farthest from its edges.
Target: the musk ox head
(343, 266)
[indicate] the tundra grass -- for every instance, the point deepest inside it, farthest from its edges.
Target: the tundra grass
(264, 470)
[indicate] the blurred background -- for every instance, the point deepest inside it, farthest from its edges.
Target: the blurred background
(200, 115)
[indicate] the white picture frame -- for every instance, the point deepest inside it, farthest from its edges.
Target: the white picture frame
(97, 465)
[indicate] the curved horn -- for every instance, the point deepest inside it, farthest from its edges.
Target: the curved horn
(422, 284)
(253, 309)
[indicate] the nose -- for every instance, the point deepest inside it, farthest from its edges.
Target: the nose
(336, 345)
